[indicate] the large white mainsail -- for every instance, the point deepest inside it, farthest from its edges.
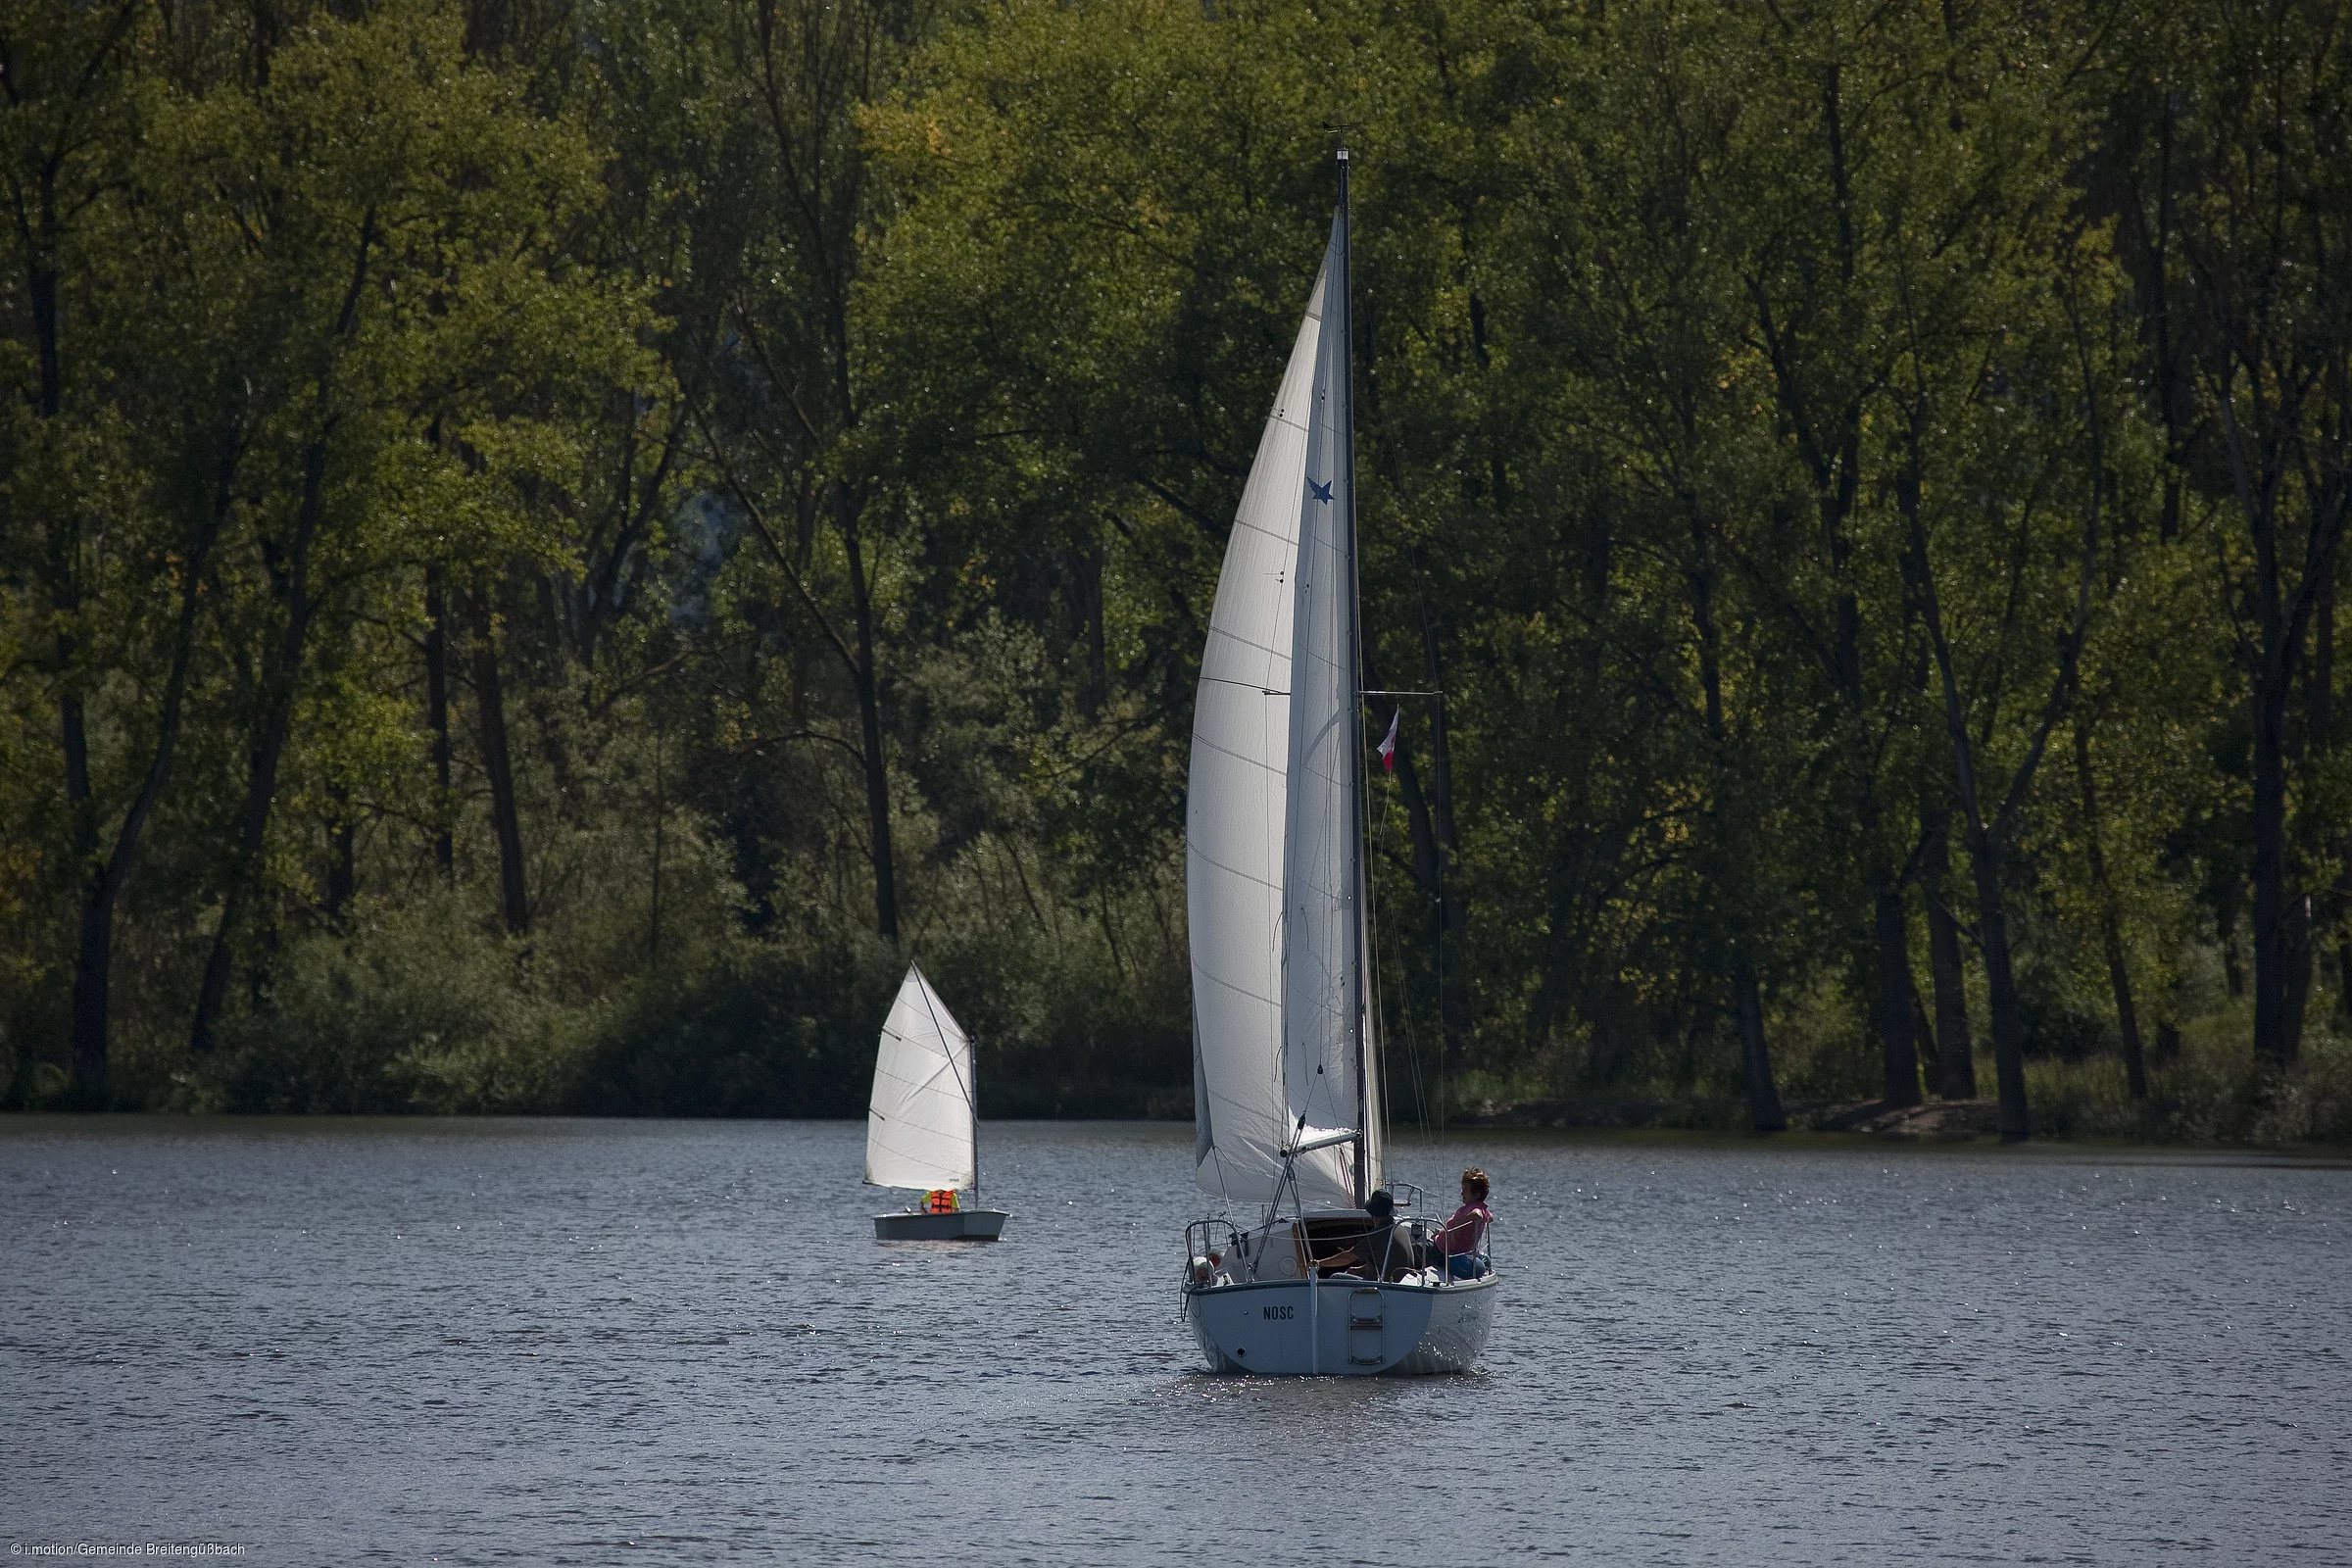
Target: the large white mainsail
(1273, 861)
(919, 1124)
(1236, 808)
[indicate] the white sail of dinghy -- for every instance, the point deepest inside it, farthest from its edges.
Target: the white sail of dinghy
(922, 1122)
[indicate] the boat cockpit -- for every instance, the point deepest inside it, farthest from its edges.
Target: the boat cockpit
(1336, 1244)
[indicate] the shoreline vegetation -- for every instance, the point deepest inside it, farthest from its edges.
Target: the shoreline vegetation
(548, 550)
(2200, 1096)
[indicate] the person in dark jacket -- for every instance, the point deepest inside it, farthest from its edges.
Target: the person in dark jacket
(1383, 1251)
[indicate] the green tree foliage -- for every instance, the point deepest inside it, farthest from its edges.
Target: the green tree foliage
(548, 550)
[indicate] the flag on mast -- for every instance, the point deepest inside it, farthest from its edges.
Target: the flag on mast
(1388, 746)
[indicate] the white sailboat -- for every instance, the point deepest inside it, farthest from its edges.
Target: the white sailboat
(922, 1125)
(1286, 1085)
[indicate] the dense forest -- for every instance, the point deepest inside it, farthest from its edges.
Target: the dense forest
(550, 546)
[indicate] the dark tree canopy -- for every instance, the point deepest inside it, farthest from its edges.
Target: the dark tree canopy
(546, 550)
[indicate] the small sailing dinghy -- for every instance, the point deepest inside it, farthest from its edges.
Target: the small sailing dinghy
(923, 1126)
(1286, 1083)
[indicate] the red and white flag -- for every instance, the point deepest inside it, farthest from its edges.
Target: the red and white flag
(1388, 746)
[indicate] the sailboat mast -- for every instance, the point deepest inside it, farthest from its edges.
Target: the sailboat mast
(1341, 290)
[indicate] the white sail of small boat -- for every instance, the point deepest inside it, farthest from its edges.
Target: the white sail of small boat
(1286, 1089)
(922, 1125)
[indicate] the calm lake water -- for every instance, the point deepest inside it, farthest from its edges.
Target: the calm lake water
(573, 1341)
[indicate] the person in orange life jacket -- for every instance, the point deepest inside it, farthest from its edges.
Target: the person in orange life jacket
(942, 1200)
(1464, 1236)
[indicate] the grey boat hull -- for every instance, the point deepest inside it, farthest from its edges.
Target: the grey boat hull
(964, 1225)
(1349, 1328)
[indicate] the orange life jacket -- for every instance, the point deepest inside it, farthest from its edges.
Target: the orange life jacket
(941, 1200)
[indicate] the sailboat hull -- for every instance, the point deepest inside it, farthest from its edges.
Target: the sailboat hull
(1346, 1328)
(964, 1225)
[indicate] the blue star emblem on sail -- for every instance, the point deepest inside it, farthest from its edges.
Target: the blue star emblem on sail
(1321, 492)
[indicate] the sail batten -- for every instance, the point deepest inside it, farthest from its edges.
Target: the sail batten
(921, 1127)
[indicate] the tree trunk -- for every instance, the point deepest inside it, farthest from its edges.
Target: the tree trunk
(260, 795)
(870, 725)
(291, 577)
(2280, 947)
(41, 296)
(2000, 985)
(1764, 1112)
(2285, 607)
(1923, 1033)
(95, 954)
(436, 713)
(1429, 875)
(2225, 930)
(289, 570)
(2110, 920)
(93, 971)
(1988, 841)
(2274, 956)
(2299, 939)
(1426, 866)
(1900, 1051)
(1955, 1043)
(489, 701)
(1984, 846)
(102, 882)
(95, 950)
(2319, 682)
(1095, 689)
(652, 937)
(2322, 843)
(342, 871)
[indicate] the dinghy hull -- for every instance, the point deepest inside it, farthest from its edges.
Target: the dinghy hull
(1347, 1328)
(964, 1225)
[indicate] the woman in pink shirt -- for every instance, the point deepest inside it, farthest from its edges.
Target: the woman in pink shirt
(1463, 1238)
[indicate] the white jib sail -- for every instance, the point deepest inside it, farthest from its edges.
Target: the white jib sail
(1236, 808)
(1325, 1065)
(919, 1125)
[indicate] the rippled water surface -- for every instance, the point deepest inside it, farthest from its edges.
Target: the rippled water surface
(522, 1342)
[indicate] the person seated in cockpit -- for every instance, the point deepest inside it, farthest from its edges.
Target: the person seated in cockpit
(1463, 1243)
(1383, 1251)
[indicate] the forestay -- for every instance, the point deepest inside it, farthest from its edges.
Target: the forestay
(919, 1124)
